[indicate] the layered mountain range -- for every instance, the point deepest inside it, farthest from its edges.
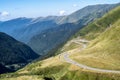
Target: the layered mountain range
(38, 32)
(91, 54)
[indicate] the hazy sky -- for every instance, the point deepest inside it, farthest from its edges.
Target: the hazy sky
(35, 8)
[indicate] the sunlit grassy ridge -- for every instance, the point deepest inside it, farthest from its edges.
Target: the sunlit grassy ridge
(104, 51)
(95, 28)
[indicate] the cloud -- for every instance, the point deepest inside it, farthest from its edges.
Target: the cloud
(62, 12)
(75, 5)
(4, 13)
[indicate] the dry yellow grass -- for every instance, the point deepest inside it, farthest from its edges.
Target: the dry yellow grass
(24, 78)
(104, 51)
(96, 59)
(74, 68)
(53, 61)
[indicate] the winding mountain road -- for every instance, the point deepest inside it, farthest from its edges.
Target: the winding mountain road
(69, 60)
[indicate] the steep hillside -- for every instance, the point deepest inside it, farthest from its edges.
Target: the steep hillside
(3, 69)
(56, 68)
(14, 52)
(23, 29)
(104, 50)
(56, 19)
(95, 10)
(32, 29)
(94, 29)
(51, 38)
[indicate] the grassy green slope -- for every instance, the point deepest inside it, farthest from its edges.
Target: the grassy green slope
(104, 50)
(96, 28)
(109, 40)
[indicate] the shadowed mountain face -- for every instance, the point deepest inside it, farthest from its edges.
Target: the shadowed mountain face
(33, 29)
(23, 29)
(51, 38)
(14, 52)
(3, 69)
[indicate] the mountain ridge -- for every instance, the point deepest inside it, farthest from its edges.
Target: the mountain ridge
(14, 52)
(87, 18)
(100, 25)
